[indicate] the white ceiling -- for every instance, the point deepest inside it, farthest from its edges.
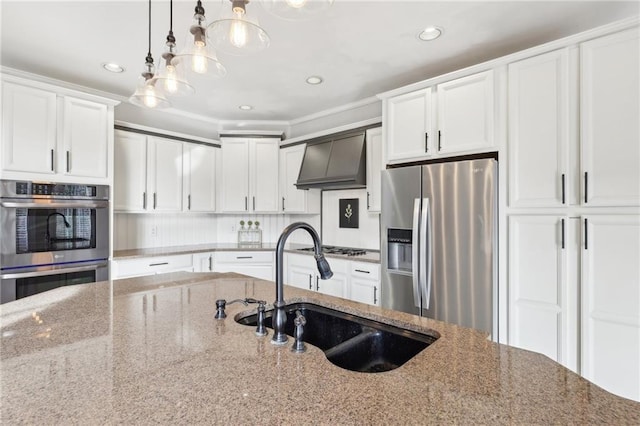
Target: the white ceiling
(360, 48)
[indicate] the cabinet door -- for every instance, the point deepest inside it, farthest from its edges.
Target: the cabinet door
(338, 284)
(611, 303)
(263, 172)
(300, 271)
(164, 175)
(235, 175)
(130, 172)
(542, 299)
(29, 124)
(200, 178)
(465, 113)
(85, 142)
(203, 262)
(538, 131)
(364, 291)
(610, 119)
(408, 125)
(374, 168)
(293, 199)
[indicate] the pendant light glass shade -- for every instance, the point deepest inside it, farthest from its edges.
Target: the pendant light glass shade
(236, 32)
(146, 94)
(197, 55)
(170, 78)
(296, 10)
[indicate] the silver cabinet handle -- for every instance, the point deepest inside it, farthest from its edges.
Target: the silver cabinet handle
(368, 205)
(159, 264)
(586, 186)
(375, 295)
(189, 202)
(310, 286)
(361, 271)
(244, 257)
(254, 203)
(52, 159)
(439, 141)
(155, 200)
(68, 161)
(586, 235)
(562, 231)
(563, 189)
(246, 203)
(317, 284)
(144, 200)
(282, 203)
(210, 263)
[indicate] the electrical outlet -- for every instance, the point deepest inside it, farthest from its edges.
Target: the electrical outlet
(154, 231)
(233, 228)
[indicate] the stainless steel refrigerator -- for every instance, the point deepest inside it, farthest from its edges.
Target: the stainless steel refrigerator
(439, 242)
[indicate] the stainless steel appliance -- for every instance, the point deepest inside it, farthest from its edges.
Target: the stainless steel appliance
(52, 234)
(439, 239)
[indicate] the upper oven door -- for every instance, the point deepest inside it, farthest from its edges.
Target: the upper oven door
(50, 231)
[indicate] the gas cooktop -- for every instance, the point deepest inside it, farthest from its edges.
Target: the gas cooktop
(338, 250)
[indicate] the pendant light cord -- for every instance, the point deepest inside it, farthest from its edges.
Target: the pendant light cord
(170, 37)
(149, 57)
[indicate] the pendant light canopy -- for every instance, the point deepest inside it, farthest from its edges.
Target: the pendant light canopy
(146, 95)
(236, 32)
(197, 55)
(296, 10)
(170, 77)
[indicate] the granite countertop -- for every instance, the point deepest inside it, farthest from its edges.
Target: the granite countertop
(371, 255)
(148, 350)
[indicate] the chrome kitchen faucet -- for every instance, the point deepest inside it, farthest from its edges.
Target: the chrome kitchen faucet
(279, 315)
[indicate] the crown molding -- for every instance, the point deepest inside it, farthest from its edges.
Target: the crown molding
(364, 123)
(163, 132)
(331, 111)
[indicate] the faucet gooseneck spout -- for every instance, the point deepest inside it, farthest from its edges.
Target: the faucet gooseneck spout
(280, 316)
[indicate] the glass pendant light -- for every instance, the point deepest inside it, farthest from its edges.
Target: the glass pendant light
(170, 79)
(197, 55)
(236, 32)
(296, 10)
(146, 94)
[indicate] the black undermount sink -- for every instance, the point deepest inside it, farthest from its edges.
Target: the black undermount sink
(351, 342)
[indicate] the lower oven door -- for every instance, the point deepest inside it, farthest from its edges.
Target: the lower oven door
(16, 284)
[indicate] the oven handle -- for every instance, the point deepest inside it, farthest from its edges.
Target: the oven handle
(52, 271)
(57, 205)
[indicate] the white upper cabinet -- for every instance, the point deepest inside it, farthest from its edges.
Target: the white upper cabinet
(539, 131)
(164, 174)
(48, 133)
(250, 175)
(465, 114)
(374, 168)
(130, 171)
(148, 173)
(199, 186)
(610, 119)
(611, 303)
(408, 124)
(465, 119)
(85, 139)
(295, 200)
(29, 122)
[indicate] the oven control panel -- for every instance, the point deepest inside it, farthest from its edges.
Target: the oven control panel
(27, 189)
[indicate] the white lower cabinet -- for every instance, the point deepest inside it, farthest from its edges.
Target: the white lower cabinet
(365, 283)
(611, 303)
(302, 272)
(203, 262)
(574, 294)
(257, 264)
(127, 268)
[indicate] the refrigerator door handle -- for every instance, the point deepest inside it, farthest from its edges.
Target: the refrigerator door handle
(426, 252)
(415, 255)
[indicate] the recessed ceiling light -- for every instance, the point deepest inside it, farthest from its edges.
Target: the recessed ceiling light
(112, 67)
(314, 79)
(430, 33)
(245, 107)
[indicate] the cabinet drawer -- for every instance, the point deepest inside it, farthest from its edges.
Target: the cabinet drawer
(244, 257)
(153, 265)
(365, 270)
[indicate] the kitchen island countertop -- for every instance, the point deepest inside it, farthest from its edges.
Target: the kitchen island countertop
(148, 350)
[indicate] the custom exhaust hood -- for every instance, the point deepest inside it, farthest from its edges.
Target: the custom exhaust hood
(335, 163)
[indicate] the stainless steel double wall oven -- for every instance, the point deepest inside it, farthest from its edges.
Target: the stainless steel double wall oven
(52, 235)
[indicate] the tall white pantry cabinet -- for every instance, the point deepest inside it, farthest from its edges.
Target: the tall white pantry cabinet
(573, 208)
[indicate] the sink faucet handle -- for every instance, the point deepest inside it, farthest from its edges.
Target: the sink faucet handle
(298, 344)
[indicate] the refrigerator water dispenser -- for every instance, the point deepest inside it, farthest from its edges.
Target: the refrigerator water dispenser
(399, 243)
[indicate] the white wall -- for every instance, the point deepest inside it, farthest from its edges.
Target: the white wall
(366, 236)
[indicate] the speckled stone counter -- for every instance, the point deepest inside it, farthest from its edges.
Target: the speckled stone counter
(370, 256)
(148, 350)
